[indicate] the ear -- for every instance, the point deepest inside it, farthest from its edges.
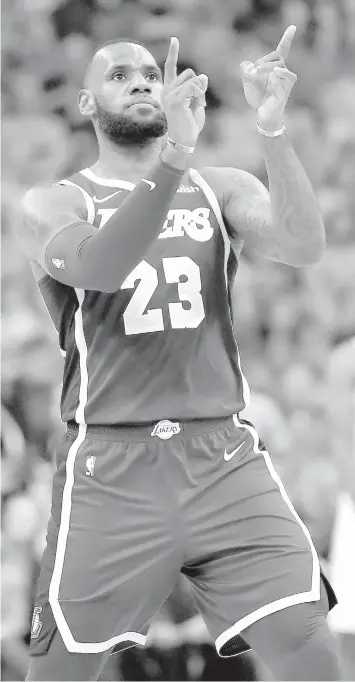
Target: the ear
(87, 104)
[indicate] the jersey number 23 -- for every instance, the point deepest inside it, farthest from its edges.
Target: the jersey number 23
(138, 319)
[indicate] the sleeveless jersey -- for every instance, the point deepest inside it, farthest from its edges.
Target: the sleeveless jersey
(162, 346)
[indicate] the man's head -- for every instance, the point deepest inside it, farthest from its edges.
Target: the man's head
(122, 94)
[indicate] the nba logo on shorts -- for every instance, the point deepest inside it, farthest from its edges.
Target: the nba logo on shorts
(58, 263)
(165, 429)
(36, 622)
(90, 464)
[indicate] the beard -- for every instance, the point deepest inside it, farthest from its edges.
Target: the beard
(125, 132)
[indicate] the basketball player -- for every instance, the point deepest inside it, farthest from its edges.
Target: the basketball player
(342, 552)
(157, 474)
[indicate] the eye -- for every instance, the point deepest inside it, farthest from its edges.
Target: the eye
(118, 76)
(153, 77)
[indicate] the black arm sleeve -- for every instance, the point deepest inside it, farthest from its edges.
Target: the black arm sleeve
(82, 256)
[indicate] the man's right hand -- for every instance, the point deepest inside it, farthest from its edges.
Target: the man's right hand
(184, 100)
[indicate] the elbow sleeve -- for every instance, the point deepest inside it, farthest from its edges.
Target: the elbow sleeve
(87, 258)
(65, 262)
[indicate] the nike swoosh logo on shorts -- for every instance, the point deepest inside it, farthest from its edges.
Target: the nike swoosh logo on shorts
(228, 456)
(149, 182)
(100, 201)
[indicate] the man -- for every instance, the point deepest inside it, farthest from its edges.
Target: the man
(134, 258)
(342, 553)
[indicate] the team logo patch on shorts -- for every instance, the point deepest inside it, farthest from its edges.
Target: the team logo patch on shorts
(90, 465)
(36, 622)
(165, 429)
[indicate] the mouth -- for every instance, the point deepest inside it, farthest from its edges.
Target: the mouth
(143, 101)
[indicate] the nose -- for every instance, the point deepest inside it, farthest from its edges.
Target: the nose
(139, 86)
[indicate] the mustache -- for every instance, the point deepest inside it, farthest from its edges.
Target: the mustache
(142, 99)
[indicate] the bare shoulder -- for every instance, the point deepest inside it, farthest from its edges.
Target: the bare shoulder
(43, 212)
(230, 183)
(246, 209)
(41, 200)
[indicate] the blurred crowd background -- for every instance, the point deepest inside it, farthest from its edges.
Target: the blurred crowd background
(288, 320)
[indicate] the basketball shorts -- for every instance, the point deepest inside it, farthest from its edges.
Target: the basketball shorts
(134, 506)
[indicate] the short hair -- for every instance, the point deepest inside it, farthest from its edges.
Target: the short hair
(107, 43)
(117, 41)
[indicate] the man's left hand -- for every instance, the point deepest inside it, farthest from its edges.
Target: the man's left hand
(268, 83)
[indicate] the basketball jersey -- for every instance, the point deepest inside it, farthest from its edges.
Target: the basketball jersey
(162, 346)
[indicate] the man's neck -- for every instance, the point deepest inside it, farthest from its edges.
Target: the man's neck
(126, 163)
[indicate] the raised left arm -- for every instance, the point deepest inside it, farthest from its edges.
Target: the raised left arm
(286, 225)
(296, 222)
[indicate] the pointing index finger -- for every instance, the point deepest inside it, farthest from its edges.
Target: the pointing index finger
(170, 69)
(285, 43)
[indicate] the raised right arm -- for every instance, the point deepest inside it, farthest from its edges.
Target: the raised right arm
(54, 233)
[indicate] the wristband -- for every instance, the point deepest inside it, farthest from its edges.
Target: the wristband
(180, 147)
(271, 133)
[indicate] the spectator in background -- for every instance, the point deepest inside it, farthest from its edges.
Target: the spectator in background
(342, 553)
(288, 320)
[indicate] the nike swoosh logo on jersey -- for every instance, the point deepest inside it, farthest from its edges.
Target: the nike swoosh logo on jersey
(149, 182)
(100, 201)
(228, 456)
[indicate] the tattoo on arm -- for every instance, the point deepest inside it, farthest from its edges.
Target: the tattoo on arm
(32, 233)
(298, 225)
(260, 235)
(31, 224)
(291, 192)
(249, 217)
(286, 226)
